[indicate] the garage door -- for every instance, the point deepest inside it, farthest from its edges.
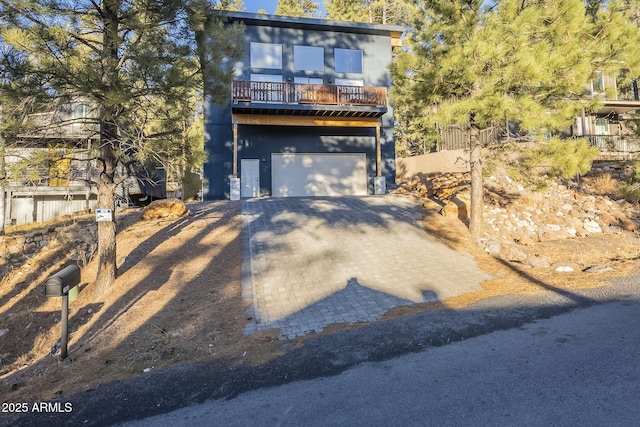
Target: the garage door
(299, 174)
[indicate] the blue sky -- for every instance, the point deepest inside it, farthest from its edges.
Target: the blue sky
(256, 5)
(268, 5)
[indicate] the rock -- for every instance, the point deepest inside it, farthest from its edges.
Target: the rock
(598, 269)
(165, 209)
(492, 247)
(432, 205)
(606, 218)
(3, 332)
(591, 226)
(566, 266)
(626, 223)
(537, 262)
(456, 208)
(556, 235)
(513, 253)
(526, 240)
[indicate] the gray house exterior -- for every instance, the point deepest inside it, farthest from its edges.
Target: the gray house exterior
(307, 114)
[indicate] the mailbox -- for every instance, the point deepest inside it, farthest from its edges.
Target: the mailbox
(60, 283)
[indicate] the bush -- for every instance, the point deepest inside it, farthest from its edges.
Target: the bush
(566, 158)
(630, 190)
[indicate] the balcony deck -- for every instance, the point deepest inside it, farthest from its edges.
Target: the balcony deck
(308, 99)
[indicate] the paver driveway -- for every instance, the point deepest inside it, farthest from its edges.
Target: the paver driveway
(311, 262)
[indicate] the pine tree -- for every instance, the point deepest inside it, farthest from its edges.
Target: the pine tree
(232, 5)
(474, 63)
(369, 11)
(122, 57)
(297, 8)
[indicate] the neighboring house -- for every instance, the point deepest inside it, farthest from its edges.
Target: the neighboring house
(65, 188)
(612, 127)
(69, 134)
(308, 112)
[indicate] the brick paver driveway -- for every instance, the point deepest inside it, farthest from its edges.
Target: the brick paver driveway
(311, 262)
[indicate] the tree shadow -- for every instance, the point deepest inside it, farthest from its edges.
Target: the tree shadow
(354, 303)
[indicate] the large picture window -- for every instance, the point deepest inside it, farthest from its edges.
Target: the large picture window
(308, 58)
(348, 60)
(266, 55)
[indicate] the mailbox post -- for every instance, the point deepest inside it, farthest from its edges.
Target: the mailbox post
(59, 285)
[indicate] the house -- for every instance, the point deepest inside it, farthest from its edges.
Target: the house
(612, 127)
(65, 184)
(308, 112)
(66, 133)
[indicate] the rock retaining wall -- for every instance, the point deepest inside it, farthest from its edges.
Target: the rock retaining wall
(15, 249)
(516, 218)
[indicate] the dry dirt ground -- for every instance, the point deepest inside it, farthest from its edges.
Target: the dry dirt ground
(177, 300)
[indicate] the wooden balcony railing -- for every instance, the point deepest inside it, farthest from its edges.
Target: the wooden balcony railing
(313, 94)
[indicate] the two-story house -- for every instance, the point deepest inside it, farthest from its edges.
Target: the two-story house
(308, 112)
(65, 135)
(608, 127)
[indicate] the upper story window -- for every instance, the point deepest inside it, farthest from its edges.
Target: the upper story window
(348, 60)
(598, 82)
(266, 55)
(308, 58)
(349, 82)
(82, 111)
(272, 78)
(308, 80)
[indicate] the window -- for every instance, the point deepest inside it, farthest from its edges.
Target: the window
(349, 82)
(308, 58)
(598, 82)
(348, 60)
(308, 80)
(602, 126)
(273, 78)
(82, 111)
(266, 55)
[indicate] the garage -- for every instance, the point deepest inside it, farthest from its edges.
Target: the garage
(313, 174)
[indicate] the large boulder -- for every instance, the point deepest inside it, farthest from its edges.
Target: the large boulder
(165, 209)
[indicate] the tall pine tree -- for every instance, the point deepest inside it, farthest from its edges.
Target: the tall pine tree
(297, 8)
(121, 56)
(473, 63)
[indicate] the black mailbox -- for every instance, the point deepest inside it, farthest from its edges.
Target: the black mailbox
(60, 283)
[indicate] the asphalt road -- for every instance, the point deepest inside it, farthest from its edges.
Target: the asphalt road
(580, 368)
(555, 358)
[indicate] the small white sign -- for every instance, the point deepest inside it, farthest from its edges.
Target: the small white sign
(103, 215)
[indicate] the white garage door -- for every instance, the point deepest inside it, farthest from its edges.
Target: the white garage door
(299, 174)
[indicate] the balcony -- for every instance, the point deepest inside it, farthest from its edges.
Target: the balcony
(615, 146)
(308, 99)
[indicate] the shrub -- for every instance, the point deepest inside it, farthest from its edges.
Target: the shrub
(630, 190)
(566, 158)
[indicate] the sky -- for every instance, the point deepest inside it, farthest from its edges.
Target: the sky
(268, 5)
(256, 5)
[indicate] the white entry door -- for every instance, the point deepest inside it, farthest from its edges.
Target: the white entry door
(249, 178)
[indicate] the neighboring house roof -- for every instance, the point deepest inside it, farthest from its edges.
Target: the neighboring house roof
(618, 106)
(394, 31)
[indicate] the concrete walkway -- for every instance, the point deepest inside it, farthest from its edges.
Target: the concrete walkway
(312, 262)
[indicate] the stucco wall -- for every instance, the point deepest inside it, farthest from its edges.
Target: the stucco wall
(442, 161)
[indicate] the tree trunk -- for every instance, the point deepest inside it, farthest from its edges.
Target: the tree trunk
(3, 198)
(106, 229)
(477, 190)
(109, 141)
